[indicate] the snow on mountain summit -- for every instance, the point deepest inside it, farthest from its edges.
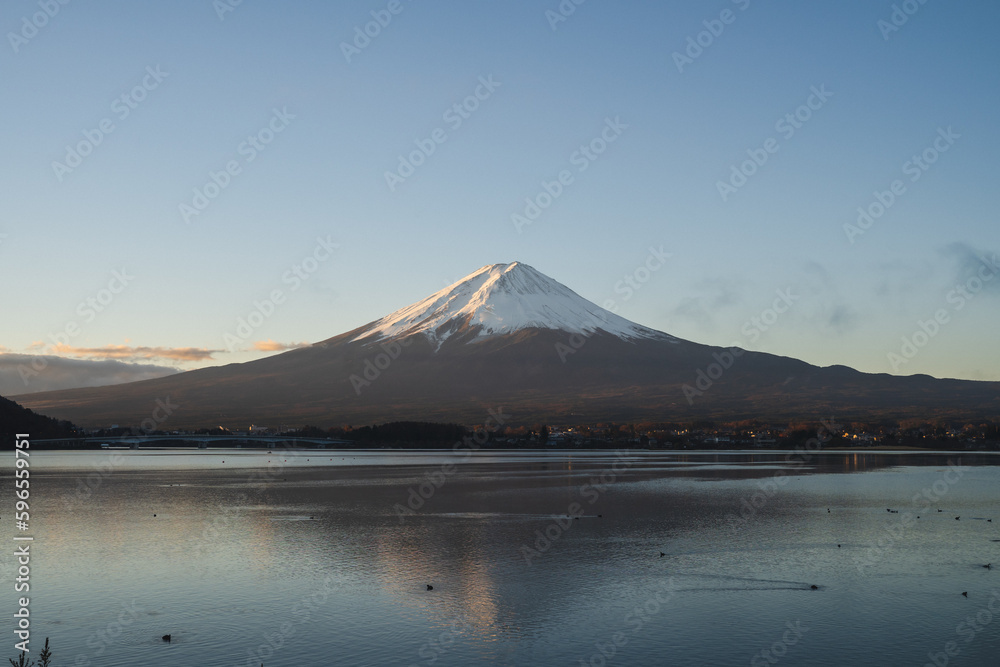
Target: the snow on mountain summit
(501, 299)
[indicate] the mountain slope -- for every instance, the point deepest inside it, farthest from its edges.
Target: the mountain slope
(508, 336)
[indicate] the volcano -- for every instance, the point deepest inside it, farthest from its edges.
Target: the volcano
(509, 337)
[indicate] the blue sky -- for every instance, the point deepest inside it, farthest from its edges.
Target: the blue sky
(199, 82)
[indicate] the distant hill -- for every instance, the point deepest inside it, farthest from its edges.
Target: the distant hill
(16, 419)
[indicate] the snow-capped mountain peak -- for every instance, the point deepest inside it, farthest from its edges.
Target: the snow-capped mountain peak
(501, 299)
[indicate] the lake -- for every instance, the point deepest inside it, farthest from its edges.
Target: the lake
(316, 557)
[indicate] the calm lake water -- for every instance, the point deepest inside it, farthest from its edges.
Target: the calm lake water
(327, 558)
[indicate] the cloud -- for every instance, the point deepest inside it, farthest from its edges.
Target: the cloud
(274, 346)
(902, 287)
(823, 306)
(900, 278)
(26, 374)
(716, 295)
(842, 318)
(129, 352)
(978, 266)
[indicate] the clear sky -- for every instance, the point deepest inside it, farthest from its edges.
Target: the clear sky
(117, 116)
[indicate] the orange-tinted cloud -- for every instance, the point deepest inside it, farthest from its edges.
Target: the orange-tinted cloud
(136, 352)
(274, 346)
